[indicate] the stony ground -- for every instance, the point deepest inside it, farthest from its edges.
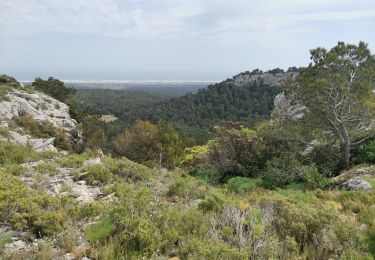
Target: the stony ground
(61, 184)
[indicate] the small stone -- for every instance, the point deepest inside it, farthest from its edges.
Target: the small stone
(92, 162)
(356, 183)
(68, 256)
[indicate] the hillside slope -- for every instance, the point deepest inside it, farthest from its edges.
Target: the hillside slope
(247, 97)
(64, 206)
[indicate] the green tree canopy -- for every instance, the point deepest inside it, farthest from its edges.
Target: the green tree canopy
(149, 143)
(53, 87)
(336, 89)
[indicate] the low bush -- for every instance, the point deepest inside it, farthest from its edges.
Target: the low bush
(4, 132)
(43, 130)
(6, 84)
(243, 184)
(89, 210)
(6, 238)
(14, 154)
(100, 231)
(281, 172)
(97, 173)
(15, 169)
(74, 160)
(367, 152)
(213, 202)
(314, 179)
(130, 170)
(209, 176)
(24, 208)
(49, 168)
(187, 187)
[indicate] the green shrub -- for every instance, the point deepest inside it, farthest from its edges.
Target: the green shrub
(6, 238)
(211, 203)
(187, 187)
(281, 172)
(325, 158)
(367, 152)
(243, 184)
(15, 169)
(54, 88)
(74, 160)
(314, 179)
(14, 154)
(43, 130)
(24, 208)
(4, 131)
(47, 168)
(209, 176)
(97, 173)
(10, 81)
(6, 84)
(89, 210)
(130, 170)
(100, 231)
(46, 155)
(311, 225)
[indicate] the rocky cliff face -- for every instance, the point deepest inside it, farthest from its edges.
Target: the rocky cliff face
(286, 109)
(21, 101)
(269, 78)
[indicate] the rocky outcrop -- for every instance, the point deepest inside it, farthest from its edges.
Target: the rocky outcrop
(62, 184)
(93, 161)
(284, 108)
(356, 183)
(39, 144)
(359, 178)
(269, 78)
(40, 107)
(43, 109)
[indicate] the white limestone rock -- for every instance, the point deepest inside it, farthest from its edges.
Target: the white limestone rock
(39, 144)
(268, 78)
(40, 107)
(285, 109)
(93, 161)
(356, 183)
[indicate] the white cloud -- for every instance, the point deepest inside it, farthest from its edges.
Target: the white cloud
(166, 18)
(102, 17)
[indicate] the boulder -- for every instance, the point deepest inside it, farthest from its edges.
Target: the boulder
(41, 108)
(39, 144)
(310, 147)
(356, 179)
(92, 161)
(3, 124)
(18, 138)
(356, 183)
(284, 108)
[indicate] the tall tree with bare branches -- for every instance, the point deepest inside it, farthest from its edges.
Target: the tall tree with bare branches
(337, 90)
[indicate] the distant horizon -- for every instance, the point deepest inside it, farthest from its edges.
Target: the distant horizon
(137, 77)
(172, 40)
(167, 81)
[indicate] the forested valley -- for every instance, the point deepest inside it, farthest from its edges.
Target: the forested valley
(264, 165)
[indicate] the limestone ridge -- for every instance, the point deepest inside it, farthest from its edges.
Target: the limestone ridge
(283, 107)
(275, 77)
(21, 101)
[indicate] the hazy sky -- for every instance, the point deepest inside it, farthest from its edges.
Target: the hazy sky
(172, 39)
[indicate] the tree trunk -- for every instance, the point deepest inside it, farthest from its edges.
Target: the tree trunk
(345, 147)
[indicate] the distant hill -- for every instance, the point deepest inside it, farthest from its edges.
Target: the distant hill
(247, 97)
(193, 109)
